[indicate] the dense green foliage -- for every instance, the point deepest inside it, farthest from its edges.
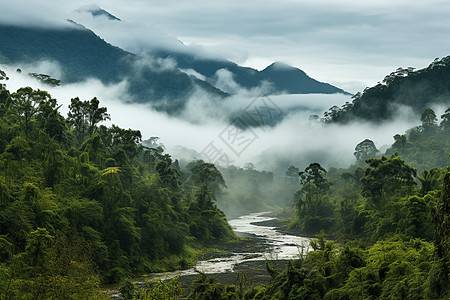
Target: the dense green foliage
(392, 226)
(404, 87)
(425, 146)
(81, 203)
(390, 230)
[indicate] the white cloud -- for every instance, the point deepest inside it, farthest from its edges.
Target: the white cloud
(295, 140)
(192, 72)
(346, 43)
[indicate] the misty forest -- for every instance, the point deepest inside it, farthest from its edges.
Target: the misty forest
(91, 210)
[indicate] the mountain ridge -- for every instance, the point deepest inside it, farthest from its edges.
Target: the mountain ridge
(82, 54)
(417, 89)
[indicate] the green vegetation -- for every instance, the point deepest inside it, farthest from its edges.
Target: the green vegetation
(44, 78)
(417, 89)
(83, 204)
(389, 229)
(425, 146)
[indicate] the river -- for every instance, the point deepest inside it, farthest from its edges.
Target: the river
(279, 246)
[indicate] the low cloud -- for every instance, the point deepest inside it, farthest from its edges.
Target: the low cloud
(223, 79)
(51, 68)
(205, 125)
(192, 72)
(156, 64)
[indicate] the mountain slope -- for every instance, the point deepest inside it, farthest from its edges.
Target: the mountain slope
(294, 81)
(405, 87)
(96, 11)
(283, 78)
(82, 54)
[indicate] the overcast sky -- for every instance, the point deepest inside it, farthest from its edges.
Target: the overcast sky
(351, 44)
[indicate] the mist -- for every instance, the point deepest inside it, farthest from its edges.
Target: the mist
(208, 124)
(142, 37)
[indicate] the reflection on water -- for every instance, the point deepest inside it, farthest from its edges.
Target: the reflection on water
(281, 246)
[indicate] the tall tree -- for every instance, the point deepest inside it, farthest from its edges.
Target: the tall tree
(385, 177)
(95, 114)
(85, 115)
(26, 102)
(365, 150)
(206, 175)
(428, 118)
(429, 121)
(293, 173)
(315, 174)
(445, 123)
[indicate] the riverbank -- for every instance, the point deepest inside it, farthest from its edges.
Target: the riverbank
(250, 272)
(241, 262)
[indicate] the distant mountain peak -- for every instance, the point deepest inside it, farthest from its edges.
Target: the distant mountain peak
(96, 11)
(280, 66)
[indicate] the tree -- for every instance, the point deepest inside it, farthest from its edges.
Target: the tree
(3, 77)
(85, 115)
(440, 281)
(168, 174)
(206, 175)
(38, 243)
(95, 114)
(314, 212)
(400, 142)
(52, 160)
(293, 173)
(445, 123)
(76, 117)
(385, 177)
(428, 118)
(365, 150)
(430, 180)
(50, 120)
(26, 102)
(126, 139)
(314, 173)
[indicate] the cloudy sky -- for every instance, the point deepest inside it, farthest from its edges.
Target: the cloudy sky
(351, 44)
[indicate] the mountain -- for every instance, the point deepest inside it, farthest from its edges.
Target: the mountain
(287, 79)
(81, 54)
(281, 77)
(277, 78)
(416, 89)
(96, 11)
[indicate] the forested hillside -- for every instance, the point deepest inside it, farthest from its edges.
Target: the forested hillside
(415, 89)
(82, 203)
(81, 54)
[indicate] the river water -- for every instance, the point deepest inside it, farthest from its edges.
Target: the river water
(279, 247)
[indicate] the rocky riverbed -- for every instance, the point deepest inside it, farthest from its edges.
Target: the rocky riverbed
(260, 240)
